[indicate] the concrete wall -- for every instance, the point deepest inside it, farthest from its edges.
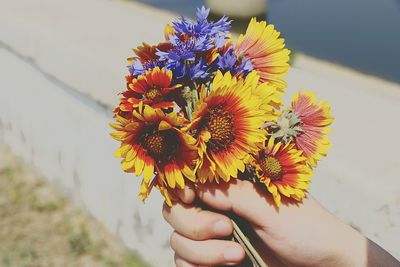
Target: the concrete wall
(61, 65)
(65, 135)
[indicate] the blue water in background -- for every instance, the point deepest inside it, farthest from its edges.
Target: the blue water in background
(361, 34)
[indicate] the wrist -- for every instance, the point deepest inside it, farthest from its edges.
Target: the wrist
(340, 244)
(350, 248)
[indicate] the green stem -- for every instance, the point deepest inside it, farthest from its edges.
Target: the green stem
(252, 257)
(251, 252)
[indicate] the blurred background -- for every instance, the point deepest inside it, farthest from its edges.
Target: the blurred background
(361, 34)
(64, 200)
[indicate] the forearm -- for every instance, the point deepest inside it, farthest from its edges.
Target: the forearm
(318, 238)
(365, 253)
(351, 248)
(378, 257)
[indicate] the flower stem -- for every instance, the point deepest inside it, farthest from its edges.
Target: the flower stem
(252, 255)
(253, 259)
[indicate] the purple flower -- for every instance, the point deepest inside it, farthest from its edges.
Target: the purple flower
(202, 27)
(138, 68)
(199, 71)
(202, 13)
(230, 62)
(191, 43)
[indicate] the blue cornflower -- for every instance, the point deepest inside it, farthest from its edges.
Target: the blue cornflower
(202, 26)
(230, 62)
(202, 13)
(146, 58)
(196, 71)
(139, 68)
(199, 71)
(246, 66)
(191, 43)
(185, 49)
(227, 61)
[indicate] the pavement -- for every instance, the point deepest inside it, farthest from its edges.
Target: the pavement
(62, 64)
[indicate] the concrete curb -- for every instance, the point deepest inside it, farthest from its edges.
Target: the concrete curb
(64, 134)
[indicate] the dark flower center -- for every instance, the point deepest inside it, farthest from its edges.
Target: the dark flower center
(220, 125)
(272, 168)
(160, 145)
(156, 144)
(153, 93)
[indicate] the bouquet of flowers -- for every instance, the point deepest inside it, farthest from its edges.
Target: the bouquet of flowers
(201, 108)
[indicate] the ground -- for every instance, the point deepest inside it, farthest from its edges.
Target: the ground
(39, 227)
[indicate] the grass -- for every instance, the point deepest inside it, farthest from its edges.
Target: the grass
(41, 228)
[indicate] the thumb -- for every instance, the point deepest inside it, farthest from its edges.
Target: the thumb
(244, 198)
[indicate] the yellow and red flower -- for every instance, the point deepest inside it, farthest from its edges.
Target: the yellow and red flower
(212, 55)
(268, 94)
(266, 51)
(151, 89)
(147, 53)
(283, 169)
(127, 114)
(168, 30)
(153, 144)
(314, 117)
(159, 183)
(227, 125)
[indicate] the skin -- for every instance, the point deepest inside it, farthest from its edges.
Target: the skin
(303, 234)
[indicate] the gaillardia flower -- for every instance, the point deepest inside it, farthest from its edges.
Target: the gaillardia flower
(314, 118)
(227, 125)
(150, 89)
(146, 53)
(146, 58)
(268, 94)
(127, 114)
(161, 184)
(283, 169)
(152, 143)
(266, 51)
(305, 124)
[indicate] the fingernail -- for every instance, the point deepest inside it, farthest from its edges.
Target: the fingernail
(222, 228)
(232, 254)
